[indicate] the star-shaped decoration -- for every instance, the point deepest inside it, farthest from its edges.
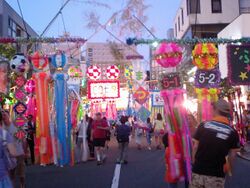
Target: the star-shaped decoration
(248, 68)
(243, 76)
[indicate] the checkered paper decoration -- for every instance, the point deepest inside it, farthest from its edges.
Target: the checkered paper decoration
(94, 72)
(113, 72)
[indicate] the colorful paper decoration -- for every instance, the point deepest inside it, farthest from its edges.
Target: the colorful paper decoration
(20, 108)
(19, 64)
(170, 81)
(103, 89)
(205, 56)
(94, 72)
(168, 54)
(20, 134)
(239, 64)
(141, 95)
(75, 71)
(113, 72)
(20, 121)
(59, 60)
(128, 71)
(4, 70)
(157, 100)
(19, 94)
(39, 61)
(20, 80)
(207, 78)
(143, 113)
(30, 86)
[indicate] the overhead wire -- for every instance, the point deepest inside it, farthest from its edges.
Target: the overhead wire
(24, 23)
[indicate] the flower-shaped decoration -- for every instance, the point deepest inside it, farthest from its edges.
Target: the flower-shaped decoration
(75, 71)
(94, 72)
(113, 72)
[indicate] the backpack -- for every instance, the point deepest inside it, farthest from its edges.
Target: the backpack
(9, 161)
(123, 132)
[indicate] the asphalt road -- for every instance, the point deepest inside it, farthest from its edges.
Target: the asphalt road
(145, 170)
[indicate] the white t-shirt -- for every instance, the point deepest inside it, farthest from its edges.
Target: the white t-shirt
(159, 125)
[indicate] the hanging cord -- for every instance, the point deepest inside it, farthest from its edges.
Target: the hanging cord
(196, 16)
(24, 23)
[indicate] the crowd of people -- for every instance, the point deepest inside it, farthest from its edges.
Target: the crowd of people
(215, 143)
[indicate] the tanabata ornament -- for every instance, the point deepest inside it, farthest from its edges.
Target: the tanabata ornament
(59, 60)
(205, 56)
(113, 72)
(168, 54)
(39, 61)
(20, 81)
(20, 134)
(20, 121)
(19, 64)
(20, 108)
(19, 94)
(141, 95)
(30, 86)
(128, 71)
(75, 71)
(94, 72)
(143, 114)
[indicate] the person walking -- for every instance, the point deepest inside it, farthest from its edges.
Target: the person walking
(122, 135)
(149, 132)
(99, 130)
(138, 134)
(6, 145)
(214, 141)
(19, 171)
(108, 134)
(159, 129)
(31, 131)
(90, 141)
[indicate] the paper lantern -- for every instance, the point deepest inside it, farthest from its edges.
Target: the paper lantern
(205, 56)
(113, 72)
(168, 54)
(39, 61)
(94, 72)
(30, 86)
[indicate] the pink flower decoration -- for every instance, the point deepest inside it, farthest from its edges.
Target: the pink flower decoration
(168, 54)
(30, 86)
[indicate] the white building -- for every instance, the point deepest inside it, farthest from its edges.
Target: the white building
(239, 28)
(204, 18)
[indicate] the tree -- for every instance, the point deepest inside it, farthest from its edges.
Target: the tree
(7, 51)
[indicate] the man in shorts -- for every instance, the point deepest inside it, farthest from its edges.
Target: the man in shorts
(214, 141)
(19, 171)
(99, 132)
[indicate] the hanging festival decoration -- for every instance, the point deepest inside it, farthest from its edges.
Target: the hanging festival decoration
(170, 81)
(207, 79)
(39, 61)
(30, 86)
(59, 61)
(20, 121)
(239, 64)
(143, 113)
(141, 95)
(168, 54)
(113, 72)
(205, 56)
(19, 64)
(75, 71)
(94, 72)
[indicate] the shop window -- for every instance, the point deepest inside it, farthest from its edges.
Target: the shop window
(216, 6)
(193, 7)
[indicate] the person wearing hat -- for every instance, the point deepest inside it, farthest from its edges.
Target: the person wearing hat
(213, 142)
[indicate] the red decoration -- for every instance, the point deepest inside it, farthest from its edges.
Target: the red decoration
(94, 72)
(20, 108)
(20, 134)
(39, 61)
(141, 95)
(168, 54)
(19, 94)
(113, 72)
(30, 86)
(20, 80)
(104, 89)
(20, 121)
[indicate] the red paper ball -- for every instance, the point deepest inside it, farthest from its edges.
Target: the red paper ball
(94, 72)
(113, 72)
(168, 54)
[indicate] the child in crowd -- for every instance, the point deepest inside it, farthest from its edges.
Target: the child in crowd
(149, 133)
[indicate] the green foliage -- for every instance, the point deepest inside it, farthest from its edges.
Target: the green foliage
(7, 51)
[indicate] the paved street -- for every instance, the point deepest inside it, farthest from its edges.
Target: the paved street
(145, 170)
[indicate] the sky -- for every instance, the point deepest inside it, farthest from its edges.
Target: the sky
(38, 14)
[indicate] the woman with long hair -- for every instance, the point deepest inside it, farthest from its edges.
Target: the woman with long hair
(159, 129)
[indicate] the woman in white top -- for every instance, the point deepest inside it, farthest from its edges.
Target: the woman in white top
(159, 129)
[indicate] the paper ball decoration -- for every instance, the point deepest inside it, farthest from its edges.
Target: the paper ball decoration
(39, 61)
(94, 72)
(30, 86)
(59, 60)
(75, 71)
(205, 56)
(168, 54)
(113, 72)
(19, 64)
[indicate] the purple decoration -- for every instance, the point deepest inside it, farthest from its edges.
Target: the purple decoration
(207, 78)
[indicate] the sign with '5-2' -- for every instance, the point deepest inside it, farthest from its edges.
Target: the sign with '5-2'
(207, 79)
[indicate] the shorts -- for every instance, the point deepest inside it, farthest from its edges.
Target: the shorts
(6, 182)
(99, 142)
(19, 171)
(206, 181)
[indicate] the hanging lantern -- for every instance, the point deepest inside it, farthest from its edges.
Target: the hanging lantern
(168, 54)
(94, 72)
(113, 72)
(39, 61)
(205, 56)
